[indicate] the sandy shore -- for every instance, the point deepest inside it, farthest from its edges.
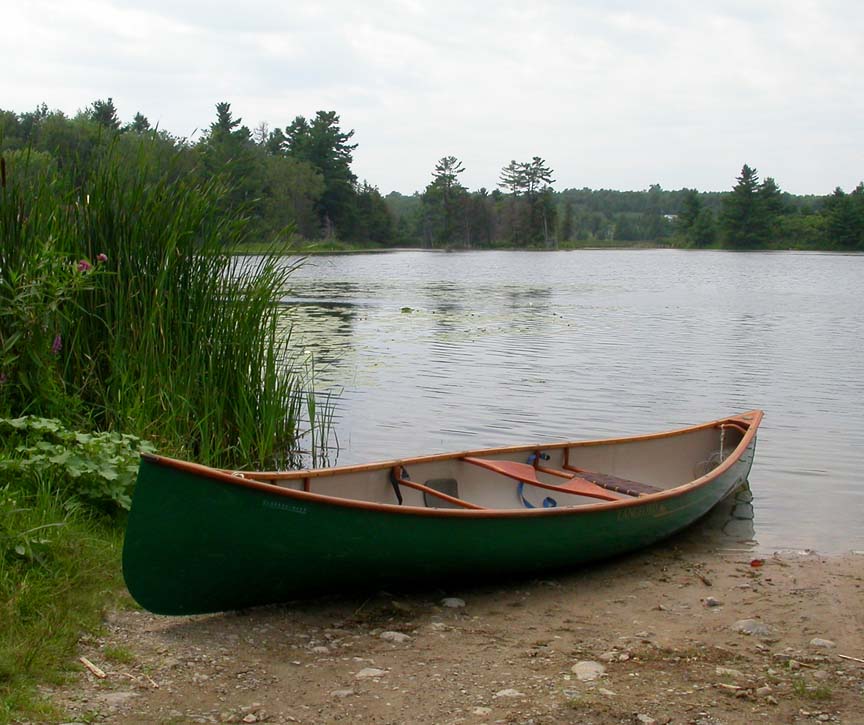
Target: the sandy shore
(649, 638)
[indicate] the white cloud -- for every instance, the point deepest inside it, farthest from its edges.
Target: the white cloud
(618, 94)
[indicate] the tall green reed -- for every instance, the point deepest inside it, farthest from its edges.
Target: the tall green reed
(172, 339)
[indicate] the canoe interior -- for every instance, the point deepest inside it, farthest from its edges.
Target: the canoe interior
(660, 463)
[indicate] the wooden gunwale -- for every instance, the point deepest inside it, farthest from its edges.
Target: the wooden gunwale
(258, 481)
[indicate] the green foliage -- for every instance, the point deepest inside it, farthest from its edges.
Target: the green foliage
(95, 468)
(844, 218)
(751, 214)
(152, 337)
(122, 313)
(58, 563)
(104, 113)
(445, 206)
(322, 143)
(31, 545)
(531, 212)
(40, 292)
(695, 225)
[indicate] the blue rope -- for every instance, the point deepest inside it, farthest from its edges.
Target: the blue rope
(548, 502)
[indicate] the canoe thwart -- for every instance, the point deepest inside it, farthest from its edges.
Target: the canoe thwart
(399, 477)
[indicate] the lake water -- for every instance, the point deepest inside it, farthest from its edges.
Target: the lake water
(437, 351)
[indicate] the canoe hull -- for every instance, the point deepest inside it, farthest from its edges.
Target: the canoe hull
(198, 544)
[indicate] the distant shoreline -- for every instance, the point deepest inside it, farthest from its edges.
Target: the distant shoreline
(313, 250)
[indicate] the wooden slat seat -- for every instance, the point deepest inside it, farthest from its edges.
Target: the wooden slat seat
(609, 482)
(620, 485)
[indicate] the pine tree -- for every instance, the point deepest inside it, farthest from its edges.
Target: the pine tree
(743, 218)
(105, 114)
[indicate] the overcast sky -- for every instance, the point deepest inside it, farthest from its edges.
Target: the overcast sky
(612, 93)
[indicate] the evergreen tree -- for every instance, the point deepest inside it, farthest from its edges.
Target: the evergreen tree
(374, 221)
(691, 207)
(743, 218)
(703, 232)
(323, 144)
(512, 179)
(843, 223)
(228, 151)
(566, 232)
(139, 124)
(445, 204)
(105, 114)
(537, 180)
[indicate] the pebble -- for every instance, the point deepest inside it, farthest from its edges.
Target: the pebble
(587, 670)
(509, 692)
(341, 693)
(368, 672)
(764, 691)
(711, 602)
(608, 656)
(481, 710)
(321, 650)
(453, 602)
(751, 627)
(645, 719)
(824, 643)
(728, 672)
(398, 637)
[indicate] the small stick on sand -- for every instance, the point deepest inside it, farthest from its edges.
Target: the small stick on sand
(93, 668)
(854, 659)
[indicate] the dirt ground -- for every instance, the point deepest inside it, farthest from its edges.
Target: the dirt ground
(649, 638)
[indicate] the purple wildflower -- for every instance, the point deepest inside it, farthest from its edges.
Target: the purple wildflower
(57, 345)
(84, 266)
(101, 257)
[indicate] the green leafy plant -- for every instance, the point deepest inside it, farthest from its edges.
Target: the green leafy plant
(30, 545)
(98, 468)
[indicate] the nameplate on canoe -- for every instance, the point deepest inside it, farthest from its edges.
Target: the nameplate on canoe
(283, 506)
(652, 510)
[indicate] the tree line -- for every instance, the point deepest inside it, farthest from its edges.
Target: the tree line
(524, 210)
(298, 177)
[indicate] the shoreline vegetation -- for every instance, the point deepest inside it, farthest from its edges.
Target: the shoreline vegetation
(295, 249)
(125, 326)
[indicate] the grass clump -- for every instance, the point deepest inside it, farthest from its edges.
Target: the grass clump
(818, 692)
(58, 570)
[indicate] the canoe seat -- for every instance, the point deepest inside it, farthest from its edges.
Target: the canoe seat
(620, 485)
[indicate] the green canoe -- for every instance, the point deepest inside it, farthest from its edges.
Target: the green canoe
(204, 540)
